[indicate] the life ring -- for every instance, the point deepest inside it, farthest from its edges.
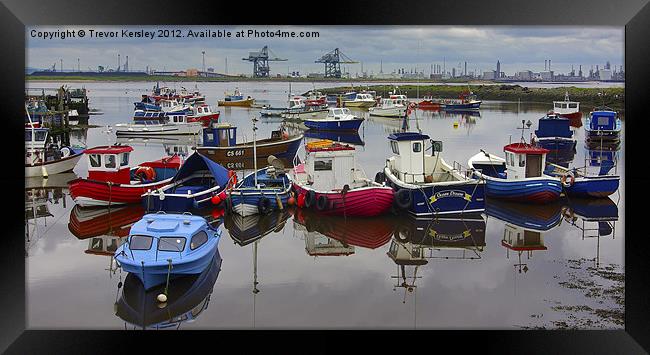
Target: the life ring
(322, 203)
(232, 179)
(403, 199)
(264, 205)
(568, 179)
(380, 177)
(65, 152)
(310, 198)
(145, 173)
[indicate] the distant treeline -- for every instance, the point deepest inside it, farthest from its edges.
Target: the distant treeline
(588, 97)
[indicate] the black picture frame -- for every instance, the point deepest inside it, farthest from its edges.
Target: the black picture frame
(633, 14)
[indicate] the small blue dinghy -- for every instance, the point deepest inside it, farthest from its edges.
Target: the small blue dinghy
(167, 245)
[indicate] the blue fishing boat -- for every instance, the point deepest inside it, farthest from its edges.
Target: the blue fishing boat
(335, 136)
(187, 298)
(260, 192)
(337, 119)
(584, 182)
(520, 177)
(554, 133)
(603, 125)
(426, 185)
(466, 101)
(195, 183)
(162, 246)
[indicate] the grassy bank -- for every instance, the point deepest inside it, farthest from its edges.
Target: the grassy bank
(588, 97)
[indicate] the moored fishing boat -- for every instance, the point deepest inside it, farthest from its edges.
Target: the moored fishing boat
(315, 98)
(260, 192)
(554, 133)
(202, 113)
(236, 99)
(603, 124)
(466, 101)
(388, 108)
(111, 179)
(583, 182)
(568, 109)
(168, 245)
(192, 188)
(44, 158)
(429, 103)
(220, 145)
(330, 182)
(519, 177)
(337, 119)
(425, 184)
(360, 100)
(176, 124)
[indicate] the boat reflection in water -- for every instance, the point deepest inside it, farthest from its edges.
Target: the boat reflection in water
(524, 227)
(337, 235)
(595, 218)
(341, 137)
(246, 230)
(187, 298)
(40, 195)
(416, 241)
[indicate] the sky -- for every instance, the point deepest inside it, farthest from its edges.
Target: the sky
(375, 47)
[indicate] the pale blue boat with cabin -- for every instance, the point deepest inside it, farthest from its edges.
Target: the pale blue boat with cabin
(162, 246)
(271, 193)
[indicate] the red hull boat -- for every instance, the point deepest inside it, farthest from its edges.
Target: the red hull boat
(330, 183)
(110, 182)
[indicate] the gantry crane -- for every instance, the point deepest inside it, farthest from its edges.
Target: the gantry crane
(333, 62)
(261, 61)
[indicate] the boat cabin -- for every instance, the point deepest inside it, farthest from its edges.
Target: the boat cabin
(603, 121)
(168, 236)
(330, 165)
(524, 160)
(338, 113)
(219, 134)
(399, 99)
(565, 107)
(202, 110)
(553, 126)
(109, 163)
(391, 103)
(36, 138)
(409, 162)
(364, 97)
(296, 103)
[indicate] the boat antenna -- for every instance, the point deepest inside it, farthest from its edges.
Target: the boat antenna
(524, 126)
(254, 119)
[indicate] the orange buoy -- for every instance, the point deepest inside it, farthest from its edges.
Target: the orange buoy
(291, 201)
(216, 199)
(217, 213)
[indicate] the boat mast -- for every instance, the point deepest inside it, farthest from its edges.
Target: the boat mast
(255, 151)
(31, 144)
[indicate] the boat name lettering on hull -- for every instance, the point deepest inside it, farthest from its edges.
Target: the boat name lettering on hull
(451, 193)
(235, 153)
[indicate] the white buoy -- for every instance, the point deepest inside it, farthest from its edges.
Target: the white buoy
(162, 297)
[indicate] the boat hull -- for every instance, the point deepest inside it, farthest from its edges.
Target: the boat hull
(86, 192)
(391, 112)
(240, 103)
(362, 202)
(53, 167)
(241, 156)
(245, 202)
(204, 119)
(158, 130)
(430, 200)
(593, 186)
(359, 103)
(334, 125)
(316, 114)
(542, 190)
(467, 106)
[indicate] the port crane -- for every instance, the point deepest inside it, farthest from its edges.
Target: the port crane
(261, 61)
(332, 61)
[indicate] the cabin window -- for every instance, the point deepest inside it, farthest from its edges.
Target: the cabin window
(140, 242)
(28, 136)
(40, 136)
(522, 160)
(573, 105)
(602, 121)
(417, 147)
(322, 165)
(125, 159)
(110, 161)
(198, 239)
(394, 147)
(557, 105)
(171, 244)
(95, 160)
(563, 105)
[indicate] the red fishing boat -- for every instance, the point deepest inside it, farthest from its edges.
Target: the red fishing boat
(429, 103)
(330, 183)
(111, 180)
(204, 114)
(315, 98)
(568, 109)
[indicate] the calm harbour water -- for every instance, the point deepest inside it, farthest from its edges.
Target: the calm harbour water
(481, 282)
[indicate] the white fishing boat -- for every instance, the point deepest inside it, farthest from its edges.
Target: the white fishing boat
(388, 108)
(360, 100)
(172, 105)
(44, 158)
(176, 125)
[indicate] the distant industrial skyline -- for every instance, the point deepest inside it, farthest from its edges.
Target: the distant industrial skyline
(378, 49)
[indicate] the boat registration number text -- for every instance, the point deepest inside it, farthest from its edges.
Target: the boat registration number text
(235, 153)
